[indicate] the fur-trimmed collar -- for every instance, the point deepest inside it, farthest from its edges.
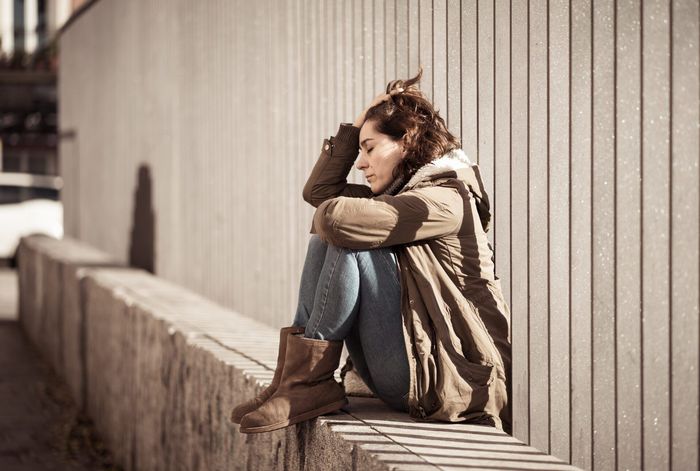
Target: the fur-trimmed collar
(453, 160)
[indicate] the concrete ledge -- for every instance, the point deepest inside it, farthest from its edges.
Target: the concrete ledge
(50, 275)
(159, 368)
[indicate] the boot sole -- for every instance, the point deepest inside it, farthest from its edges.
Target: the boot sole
(299, 418)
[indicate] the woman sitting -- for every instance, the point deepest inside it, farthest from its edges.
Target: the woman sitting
(402, 272)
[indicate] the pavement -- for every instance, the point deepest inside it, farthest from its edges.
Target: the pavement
(40, 425)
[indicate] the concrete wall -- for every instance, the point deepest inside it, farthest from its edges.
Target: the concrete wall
(584, 121)
(159, 369)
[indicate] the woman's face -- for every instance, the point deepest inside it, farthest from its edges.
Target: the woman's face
(379, 155)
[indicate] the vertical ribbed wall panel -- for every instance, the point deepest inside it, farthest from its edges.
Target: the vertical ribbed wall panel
(627, 222)
(485, 67)
(603, 228)
(538, 225)
(519, 275)
(558, 223)
(584, 122)
(502, 140)
(439, 56)
(656, 220)
(684, 272)
(452, 112)
(581, 219)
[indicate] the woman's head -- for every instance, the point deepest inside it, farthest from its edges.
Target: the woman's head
(401, 134)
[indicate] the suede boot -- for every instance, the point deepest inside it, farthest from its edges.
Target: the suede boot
(306, 390)
(248, 406)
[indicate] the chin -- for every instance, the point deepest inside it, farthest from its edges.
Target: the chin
(377, 188)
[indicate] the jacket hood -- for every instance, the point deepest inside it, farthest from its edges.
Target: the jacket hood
(455, 165)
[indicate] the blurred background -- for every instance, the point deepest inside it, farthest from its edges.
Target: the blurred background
(29, 181)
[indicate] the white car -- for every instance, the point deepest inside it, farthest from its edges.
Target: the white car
(28, 205)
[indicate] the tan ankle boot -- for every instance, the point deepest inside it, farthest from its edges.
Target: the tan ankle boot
(307, 388)
(248, 406)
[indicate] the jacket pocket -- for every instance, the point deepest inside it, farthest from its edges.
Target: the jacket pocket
(478, 375)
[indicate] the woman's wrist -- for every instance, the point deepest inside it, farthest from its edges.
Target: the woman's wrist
(348, 135)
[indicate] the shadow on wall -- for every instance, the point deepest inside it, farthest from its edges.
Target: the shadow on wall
(142, 242)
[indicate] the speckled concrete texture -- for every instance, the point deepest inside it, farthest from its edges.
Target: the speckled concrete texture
(50, 274)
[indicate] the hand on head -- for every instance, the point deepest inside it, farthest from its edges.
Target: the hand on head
(394, 87)
(382, 97)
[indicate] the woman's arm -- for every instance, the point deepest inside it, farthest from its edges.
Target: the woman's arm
(386, 220)
(328, 178)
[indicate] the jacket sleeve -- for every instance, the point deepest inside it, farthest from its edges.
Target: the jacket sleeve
(383, 221)
(328, 179)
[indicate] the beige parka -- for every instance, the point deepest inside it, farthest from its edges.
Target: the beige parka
(456, 321)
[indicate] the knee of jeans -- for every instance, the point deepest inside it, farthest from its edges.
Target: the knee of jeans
(342, 249)
(386, 254)
(316, 240)
(381, 250)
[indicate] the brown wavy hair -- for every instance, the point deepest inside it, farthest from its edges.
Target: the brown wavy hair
(410, 116)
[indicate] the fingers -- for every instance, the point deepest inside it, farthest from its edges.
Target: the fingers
(385, 96)
(378, 99)
(382, 97)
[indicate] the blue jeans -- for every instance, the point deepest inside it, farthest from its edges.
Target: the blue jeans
(355, 296)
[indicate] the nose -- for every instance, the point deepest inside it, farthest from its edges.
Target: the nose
(361, 161)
